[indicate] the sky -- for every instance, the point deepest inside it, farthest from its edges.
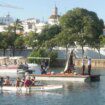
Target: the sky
(41, 9)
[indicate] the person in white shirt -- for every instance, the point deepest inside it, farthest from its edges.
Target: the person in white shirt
(89, 66)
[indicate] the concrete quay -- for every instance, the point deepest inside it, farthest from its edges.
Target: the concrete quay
(96, 63)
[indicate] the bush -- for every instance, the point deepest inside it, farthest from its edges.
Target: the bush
(43, 53)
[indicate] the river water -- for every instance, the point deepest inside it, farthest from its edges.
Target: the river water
(73, 93)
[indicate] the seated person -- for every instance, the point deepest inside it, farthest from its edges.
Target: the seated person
(22, 81)
(18, 81)
(27, 82)
(33, 80)
(43, 71)
(7, 81)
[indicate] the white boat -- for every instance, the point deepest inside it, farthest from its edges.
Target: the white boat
(8, 70)
(30, 89)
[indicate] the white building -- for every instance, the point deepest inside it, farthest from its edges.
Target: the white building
(54, 18)
(6, 20)
(3, 27)
(32, 24)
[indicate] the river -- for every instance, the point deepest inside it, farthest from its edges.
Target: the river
(73, 93)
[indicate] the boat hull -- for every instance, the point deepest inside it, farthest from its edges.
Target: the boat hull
(69, 78)
(33, 88)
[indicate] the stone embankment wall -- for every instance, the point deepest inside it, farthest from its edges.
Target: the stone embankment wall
(12, 60)
(96, 63)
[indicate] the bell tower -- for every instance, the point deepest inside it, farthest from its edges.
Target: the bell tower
(55, 11)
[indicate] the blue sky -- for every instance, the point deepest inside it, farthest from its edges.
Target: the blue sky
(41, 9)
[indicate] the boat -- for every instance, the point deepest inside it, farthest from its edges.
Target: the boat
(69, 74)
(67, 77)
(7, 70)
(32, 88)
(30, 68)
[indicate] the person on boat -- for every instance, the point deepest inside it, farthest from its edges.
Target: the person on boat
(7, 81)
(43, 70)
(89, 66)
(83, 66)
(33, 80)
(46, 65)
(27, 82)
(1, 82)
(22, 81)
(18, 82)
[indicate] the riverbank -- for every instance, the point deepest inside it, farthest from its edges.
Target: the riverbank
(59, 63)
(96, 63)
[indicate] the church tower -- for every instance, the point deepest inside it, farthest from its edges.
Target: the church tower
(55, 11)
(54, 18)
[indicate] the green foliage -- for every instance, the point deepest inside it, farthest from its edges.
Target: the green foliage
(44, 53)
(31, 40)
(48, 33)
(82, 21)
(19, 43)
(82, 26)
(102, 40)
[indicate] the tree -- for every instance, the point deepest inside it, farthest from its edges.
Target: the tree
(85, 26)
(12, 34)
(31, 40)
(19, 43)
(3, 42)
(44, 53)
(47, 34)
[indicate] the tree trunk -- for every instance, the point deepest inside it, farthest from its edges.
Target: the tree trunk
(13, 51)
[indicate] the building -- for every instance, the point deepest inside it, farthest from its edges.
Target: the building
(6, 20)
(32, 24)
(54, 18)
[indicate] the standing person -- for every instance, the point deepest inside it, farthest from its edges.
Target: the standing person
(83, 66)
(1, 82)
(18, 81)
(89, 66)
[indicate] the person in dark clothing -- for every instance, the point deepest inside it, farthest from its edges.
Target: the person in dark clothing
(1, 82)
(83, 66)
(43, 70)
